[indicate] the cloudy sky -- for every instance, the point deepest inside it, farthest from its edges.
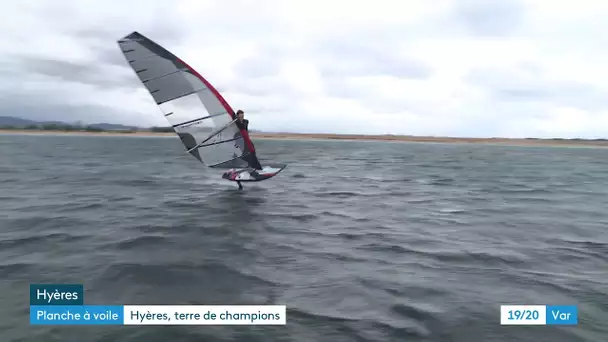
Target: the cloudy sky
(511, 68)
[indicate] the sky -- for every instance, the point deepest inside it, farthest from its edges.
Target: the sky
(476, 68)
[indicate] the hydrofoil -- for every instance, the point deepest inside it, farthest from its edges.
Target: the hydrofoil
(253, 175)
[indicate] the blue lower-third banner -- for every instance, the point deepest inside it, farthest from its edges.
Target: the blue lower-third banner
(76, 314)
(158, 314)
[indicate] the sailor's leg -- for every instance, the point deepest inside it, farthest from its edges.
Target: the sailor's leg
(240, 186)
(257, 164)
(253, 161)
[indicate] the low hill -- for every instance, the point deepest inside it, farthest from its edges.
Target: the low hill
(15, 122)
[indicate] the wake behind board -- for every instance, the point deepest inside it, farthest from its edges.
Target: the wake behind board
(252, 175)
(197, 112)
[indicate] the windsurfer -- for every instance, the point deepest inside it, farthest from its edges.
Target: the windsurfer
(252, 159)
(243, 124)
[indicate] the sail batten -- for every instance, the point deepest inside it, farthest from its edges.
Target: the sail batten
(198, 119)
(221, 142)
(200, 116)
(211, 136)
(141, 58)
(161, 76)
(175, 97)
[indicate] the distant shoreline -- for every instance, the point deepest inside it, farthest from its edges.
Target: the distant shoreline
(423, 139)
(76, 132)
(320, 136)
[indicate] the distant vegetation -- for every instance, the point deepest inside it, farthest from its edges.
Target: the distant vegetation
(16, 123)
(564, 139)
(12, 123)
(162, 129)
(63, 128)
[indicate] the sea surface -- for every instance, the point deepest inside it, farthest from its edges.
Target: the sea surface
(363, 241)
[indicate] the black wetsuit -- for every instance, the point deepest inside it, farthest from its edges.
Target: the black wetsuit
(251, 157)
(243, 124)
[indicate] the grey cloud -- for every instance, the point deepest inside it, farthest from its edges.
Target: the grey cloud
(107, 68)
(88, 73)
(42, 108)
(522, 94)
(521, 83)
(260, 74)
(112, 57)
(111, 35)
(263, 65)
(578, 95)
(360, 59)
(489, 17)
(256, 88)
(103, 42)
(342, 88)
(275, 90)
(527, 84)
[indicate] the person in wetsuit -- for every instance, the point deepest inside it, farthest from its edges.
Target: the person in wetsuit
(243, 124)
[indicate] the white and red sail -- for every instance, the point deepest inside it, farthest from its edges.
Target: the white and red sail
(200, 116)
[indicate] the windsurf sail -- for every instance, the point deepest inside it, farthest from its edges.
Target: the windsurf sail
(200, 116)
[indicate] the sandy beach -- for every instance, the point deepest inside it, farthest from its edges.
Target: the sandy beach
(505, 141)
(305, 136)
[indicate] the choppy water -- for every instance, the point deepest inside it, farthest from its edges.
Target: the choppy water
(362, 241)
